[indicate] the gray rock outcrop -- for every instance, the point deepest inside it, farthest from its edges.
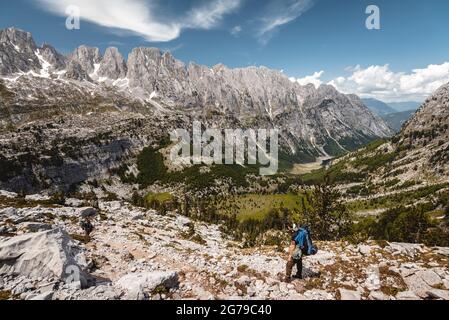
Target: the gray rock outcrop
(44, 254)
(113, 66)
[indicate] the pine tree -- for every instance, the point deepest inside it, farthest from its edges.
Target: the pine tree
(327, 216)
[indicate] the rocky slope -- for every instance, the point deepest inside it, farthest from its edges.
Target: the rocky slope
(426, 134)
(314, 122)
(417, 156)
(139, 254)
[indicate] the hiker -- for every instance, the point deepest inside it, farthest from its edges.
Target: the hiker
(301, 245)
(87, 226)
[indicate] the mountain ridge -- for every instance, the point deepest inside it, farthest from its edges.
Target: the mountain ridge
(45, 85)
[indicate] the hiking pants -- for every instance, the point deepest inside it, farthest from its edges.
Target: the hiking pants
(290, 264)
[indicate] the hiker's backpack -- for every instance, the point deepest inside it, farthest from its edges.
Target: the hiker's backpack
(304, 240)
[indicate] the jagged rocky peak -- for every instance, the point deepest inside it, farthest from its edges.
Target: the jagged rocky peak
(113, 66)
(153, 70)
(87, 57)
(142, 67)
(21, 39)
(17, 52)
(56, 60)
(76, 72)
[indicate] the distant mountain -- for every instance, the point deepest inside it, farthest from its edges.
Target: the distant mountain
(418, 154)
(398, 119)
(405, 106)
(379, 107)
(39, 84)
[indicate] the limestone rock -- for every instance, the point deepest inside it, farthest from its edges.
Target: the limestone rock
(430, 277)
(37, 197)
(365, 249)
(44, 254)
(417, 285)
(76, 72)
(407, 295)
(43, 296)
(113, 66)
(17, 52)
(438, 294)
(140, 285)
(86, 58)
(7, 194)
(378, 295)
(349, 295)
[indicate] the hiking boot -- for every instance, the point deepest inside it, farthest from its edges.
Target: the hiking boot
(287, 279)
(298, 277)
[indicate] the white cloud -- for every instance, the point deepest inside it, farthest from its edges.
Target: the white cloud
(382, 83)
(279, 13)
(139, 16)
(314, 79)
(236, 31)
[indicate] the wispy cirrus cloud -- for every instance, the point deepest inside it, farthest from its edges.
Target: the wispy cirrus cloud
(210, 15)
(279, 13)
(141, 16)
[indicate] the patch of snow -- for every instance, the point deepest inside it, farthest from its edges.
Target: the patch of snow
(16, 47)
(94, 74)
(45, 71)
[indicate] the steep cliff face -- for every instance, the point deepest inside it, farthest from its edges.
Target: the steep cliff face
(426, 135)
(17, 52)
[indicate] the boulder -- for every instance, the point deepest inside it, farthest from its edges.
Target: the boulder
(87, 212)
(407, 295)
(140, 286)
(417, 285)
(72, 202)
(8, 213)
(37, 197)
(7, 194)
(136, 216)
(378, 295)
(110, 206)
(45, 254)
(349, 295)
(365, 250)
(438, 294)
(430, 277)
(43, 296)
(318, 294)
(244, 281)
(182, 221)
(408, 249)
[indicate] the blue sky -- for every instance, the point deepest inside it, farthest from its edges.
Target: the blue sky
(318, 41)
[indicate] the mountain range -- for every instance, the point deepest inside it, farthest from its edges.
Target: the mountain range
(314, 122)
(395, 114)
